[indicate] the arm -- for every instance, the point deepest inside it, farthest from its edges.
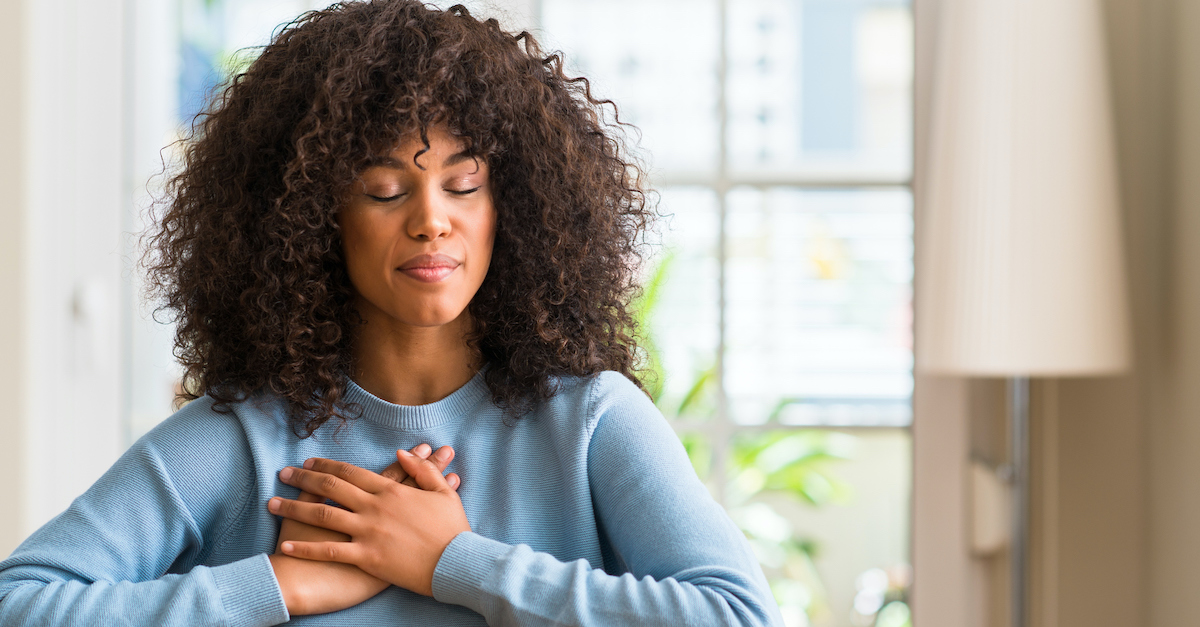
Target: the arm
(684, 561)
(102, 561)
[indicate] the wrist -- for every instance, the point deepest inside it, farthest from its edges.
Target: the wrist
(283, 566)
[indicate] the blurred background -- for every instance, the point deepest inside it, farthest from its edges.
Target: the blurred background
(784, 137)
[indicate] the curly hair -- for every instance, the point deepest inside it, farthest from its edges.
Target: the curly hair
(247, 258)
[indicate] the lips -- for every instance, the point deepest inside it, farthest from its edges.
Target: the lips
(429, 268)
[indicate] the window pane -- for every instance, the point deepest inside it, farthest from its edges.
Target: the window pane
(657, 60)
(682, 306)
(820, 88)
(820, 306)
(213, 34)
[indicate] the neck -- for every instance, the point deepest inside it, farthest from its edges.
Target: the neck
(408, 365)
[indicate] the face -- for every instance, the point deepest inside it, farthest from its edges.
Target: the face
(417, 237)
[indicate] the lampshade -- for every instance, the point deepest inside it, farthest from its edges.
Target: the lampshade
(1020, 254)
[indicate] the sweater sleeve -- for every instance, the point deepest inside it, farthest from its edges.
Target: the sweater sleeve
(678, 558)
(106, 559)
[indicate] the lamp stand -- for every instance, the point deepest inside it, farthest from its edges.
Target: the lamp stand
(1018, 417)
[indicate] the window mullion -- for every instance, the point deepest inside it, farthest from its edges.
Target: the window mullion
(817, 182)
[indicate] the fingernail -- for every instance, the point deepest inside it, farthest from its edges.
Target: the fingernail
(422, 450)
(442, 453)
(405, 453)
(285, 474)
(273, 505)
(288, 547)
(308, 463)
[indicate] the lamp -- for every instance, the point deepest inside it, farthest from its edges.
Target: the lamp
(1020, 255)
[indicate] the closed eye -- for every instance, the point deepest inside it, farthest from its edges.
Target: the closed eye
(385, 199)
(464, 192)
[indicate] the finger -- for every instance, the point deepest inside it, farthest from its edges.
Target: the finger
(427, 475)
(441, 458)
(308, 497)
(315, 514)
(344, 552)
(453, 481)
(354, 475)
(326, 486)
(394, 472)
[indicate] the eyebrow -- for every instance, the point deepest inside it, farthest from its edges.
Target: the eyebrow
(389, 162)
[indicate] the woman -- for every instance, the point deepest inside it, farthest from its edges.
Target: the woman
(399, 229)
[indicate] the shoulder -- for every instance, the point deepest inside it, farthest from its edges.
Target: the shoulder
(606, 396)
(201, 429)
(612, 390)
(618, 413)
(196, 423)
(206, 454)
(617, 402)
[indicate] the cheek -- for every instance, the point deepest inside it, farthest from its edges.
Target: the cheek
(488, 244)
(358, 249)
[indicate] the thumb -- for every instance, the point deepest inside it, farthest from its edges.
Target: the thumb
(426, 474)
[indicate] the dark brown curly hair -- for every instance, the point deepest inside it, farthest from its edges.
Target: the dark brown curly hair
(247, 252)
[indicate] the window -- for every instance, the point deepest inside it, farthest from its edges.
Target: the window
(779, 134)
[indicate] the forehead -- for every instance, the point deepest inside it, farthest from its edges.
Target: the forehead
(438, 149)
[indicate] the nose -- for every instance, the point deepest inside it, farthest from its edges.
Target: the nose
(429, 219)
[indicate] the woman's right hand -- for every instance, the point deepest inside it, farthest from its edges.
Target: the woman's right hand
(311, 587)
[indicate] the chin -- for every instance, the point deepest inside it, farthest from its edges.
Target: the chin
(435, 317)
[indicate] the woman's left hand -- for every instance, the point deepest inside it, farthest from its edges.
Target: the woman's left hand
(397, 532)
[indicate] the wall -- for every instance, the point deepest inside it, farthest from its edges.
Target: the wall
(62, 260)
(1125, 545)
(12, 252)
(1175, 428)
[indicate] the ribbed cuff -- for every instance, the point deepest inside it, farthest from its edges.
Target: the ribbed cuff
(250, 593)
(466, 563)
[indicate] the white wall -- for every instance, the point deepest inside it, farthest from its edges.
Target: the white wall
(63, 269)
(12, 283)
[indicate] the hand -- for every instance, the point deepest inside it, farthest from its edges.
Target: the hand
(398, 532)
(311, 587)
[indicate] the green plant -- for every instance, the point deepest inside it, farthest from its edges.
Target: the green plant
(767, 468)
(760, 470)
(644, 307)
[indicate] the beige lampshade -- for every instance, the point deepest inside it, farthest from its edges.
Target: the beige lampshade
(1019, 253)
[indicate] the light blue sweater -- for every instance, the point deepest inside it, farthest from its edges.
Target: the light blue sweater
(585, 512)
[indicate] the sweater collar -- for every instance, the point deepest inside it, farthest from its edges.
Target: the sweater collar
(460, 403)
